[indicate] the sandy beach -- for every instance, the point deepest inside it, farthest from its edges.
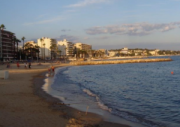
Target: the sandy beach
(24, 104)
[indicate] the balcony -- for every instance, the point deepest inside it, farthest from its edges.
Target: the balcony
(8, 46)
(7, 49)
(6, 40)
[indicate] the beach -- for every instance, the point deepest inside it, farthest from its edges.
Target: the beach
(24, 104)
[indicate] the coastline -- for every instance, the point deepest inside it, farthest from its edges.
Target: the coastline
(24, 103)
(81, 106)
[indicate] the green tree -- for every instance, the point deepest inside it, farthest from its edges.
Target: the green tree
(28, 48)
(23, 38)
(43, 52)
(53, 48)
(16, 41)
(2, 27)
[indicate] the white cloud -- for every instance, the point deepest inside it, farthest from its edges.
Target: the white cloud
(86, 3)
(44, 21)
(68, 37)
(135, 29)
(65, 30)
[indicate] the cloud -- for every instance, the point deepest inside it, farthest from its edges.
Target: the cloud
(68, 38)
(103, 37)
(135, 29)
(86, 3)
(64, 30)
(44, 21)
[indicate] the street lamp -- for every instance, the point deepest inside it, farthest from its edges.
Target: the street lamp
(44, 51)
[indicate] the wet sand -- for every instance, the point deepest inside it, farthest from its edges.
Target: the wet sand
(24, 104)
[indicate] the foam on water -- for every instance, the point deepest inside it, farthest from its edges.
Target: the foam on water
(100, 104)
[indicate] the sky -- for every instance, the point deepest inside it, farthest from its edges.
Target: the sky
(104, 24)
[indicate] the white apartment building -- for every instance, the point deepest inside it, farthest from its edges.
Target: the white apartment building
(112, 53)
(154, 52)
(82, 46)
(65, 47)
(45, 43)
(124, 50)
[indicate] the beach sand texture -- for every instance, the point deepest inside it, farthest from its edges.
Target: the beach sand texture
(24, 104)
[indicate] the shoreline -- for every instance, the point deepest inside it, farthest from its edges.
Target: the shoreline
(91, 119)
(24, 103)
(103, 114)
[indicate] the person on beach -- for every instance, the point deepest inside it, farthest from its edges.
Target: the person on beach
(52, 68)
(25, 65)
(49, 71)
(29, 65)
(8, 65)
(17, 64)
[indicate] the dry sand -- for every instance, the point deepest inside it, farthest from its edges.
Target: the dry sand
(24, 104)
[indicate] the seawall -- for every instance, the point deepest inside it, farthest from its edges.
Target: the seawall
(120, 61)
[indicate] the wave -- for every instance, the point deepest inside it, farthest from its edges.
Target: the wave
(122, 114)
(100, 104)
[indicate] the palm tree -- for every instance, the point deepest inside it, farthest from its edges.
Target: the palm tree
(42, 40)
(16, 41)
(59, 52)
(44, 50)
(53, 48)
(2, 27)
(23, 38)
(37, 50)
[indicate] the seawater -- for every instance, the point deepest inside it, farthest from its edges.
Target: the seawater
(145, 93)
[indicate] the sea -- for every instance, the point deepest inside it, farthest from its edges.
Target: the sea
(141, 94)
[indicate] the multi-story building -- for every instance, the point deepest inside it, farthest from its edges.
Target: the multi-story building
(45, 47)
(82, 46)
(154, 52)
(112, 53)
(65, 47)
(124, 50)
(8, 48)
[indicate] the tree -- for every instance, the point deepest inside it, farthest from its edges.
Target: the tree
(42, 40)
(28, 49)
(2, 27)
(44, 50)
(53, 48)
(31, 50)
(16, 41)
(23, 38)
(59, 52)
(37, 49)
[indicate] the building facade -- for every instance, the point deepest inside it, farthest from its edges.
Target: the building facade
(124, 50)
(82, 46)
(8, 48)
(65, 47)
(45, 47)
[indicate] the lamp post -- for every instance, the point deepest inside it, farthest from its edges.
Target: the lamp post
(37, 56)
(44, 51)
(20, 55)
